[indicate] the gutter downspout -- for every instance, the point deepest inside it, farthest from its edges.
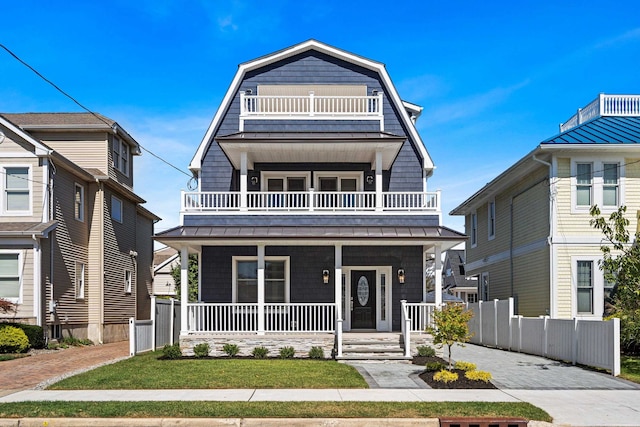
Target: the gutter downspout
(552, 196)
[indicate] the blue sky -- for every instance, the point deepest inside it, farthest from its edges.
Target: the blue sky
(494, 78)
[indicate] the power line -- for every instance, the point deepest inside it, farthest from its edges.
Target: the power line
(85, 108)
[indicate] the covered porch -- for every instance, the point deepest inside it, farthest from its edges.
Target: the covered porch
(318, 281)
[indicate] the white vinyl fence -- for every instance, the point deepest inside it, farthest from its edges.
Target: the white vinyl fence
(585, 342)
(163, 327)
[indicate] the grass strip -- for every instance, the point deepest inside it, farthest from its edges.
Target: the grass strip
(148, 372)
(187, 409)
(630, 368)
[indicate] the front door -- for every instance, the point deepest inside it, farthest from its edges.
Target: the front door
(363, 295)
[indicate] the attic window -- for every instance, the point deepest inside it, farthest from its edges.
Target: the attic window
(120, 156)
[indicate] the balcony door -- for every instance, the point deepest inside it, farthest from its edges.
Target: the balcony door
(291, 185)
(338, 182)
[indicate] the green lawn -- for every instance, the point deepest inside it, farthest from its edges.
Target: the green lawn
(146, 371)
(630, 368)
(272, 409)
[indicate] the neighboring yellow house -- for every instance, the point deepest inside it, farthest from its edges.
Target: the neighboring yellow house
(75, 242)
(530, 236)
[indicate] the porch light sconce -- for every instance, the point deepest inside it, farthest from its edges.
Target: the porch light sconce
(369, 179)
(401, 276)
(248, 92)
(374, 92)
(325, 276)
(254, 180)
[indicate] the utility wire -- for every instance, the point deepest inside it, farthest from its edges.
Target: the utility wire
(85, 108)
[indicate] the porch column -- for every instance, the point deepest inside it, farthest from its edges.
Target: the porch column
(379, 181)
(184, 289)
(338, 296)
(438, 273)
(424, 276)
(260, 289)
(243, 181)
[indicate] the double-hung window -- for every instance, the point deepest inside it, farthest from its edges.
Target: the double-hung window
(121, 156)
(17, 191)
(590, 289)
(275, 279)
(584, 184)
(79, 280)
(610, 185)
(597, 182)
(491, 216)
(78, 202)
(10, 276)
(474, 229)
(584, 287)
(116, 209)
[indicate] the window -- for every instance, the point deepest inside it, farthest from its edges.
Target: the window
(474, 230)
(17, 186)
(10, 276)
(472, 298)
(79, 280)
(116, 209)
(610, 185)
(491, 215)
(598, 182)
(585, 287)
(584, 179)
(127, 281)
(484, 286)
(78, 202)
(120, 156)
(276, 286)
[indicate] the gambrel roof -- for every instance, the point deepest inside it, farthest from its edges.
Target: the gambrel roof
(315, 45)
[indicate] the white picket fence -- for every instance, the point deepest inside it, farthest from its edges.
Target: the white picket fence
(586, 342)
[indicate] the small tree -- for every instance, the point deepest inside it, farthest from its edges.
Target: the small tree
(6, 306)
(623, 269)
(450, 326)
(193, 278)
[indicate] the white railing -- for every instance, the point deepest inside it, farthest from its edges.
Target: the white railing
(605, 105)
(309, 201)
(243, 317)
(587, 342)
(256, 106)
(416, 317)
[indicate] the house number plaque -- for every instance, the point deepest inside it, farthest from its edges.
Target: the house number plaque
(363, 291)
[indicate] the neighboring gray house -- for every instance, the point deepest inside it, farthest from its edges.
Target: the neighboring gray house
(312, 211)
(454, 278)
(75, 242)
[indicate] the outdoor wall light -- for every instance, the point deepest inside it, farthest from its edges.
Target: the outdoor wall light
(254, 180)
(325, 276)
(369, 179)
(401, 276)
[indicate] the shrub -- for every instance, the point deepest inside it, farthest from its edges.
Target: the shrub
(435, 366)
(426, 351)
(260, 352)
(287, 352)
(230, 349)
(465, 366)
(445, 376)
(75, 341)
(13, 340)
(316, 353)
(34, 333)
(483, 376)
(202, 349)
(171, 351)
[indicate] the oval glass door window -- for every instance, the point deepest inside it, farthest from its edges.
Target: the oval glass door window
(363, 291)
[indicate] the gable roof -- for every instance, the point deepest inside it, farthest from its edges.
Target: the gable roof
(40, 148)
(245, 67)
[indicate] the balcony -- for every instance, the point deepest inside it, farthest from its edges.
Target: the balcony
(309, 202)
(311, 107)
(604, 105)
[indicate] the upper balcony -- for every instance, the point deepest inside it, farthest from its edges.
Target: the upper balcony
(309, 202)
(604, 105)
(311, 107)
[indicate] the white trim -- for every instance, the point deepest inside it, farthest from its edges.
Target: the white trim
(265, 176)
(388, 271)
(3, 186)
(196, 162)
(80, 290)
(21, 260)
(17, 155)
(287, 274)
(128, 281)
(598, 287)
(340, 175)
(40, 149)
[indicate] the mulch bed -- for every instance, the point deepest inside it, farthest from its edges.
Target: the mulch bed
(461, 383)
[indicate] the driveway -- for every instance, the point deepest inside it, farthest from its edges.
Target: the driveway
(29, 372)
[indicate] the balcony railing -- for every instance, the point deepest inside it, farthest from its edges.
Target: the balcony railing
(604, 105)
(309, 202)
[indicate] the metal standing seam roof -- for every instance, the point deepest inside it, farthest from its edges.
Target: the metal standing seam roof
(603, 130)
(330, 232)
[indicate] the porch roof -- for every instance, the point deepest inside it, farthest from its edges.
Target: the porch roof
(305, 147)
(22, 229)
(311, 235)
